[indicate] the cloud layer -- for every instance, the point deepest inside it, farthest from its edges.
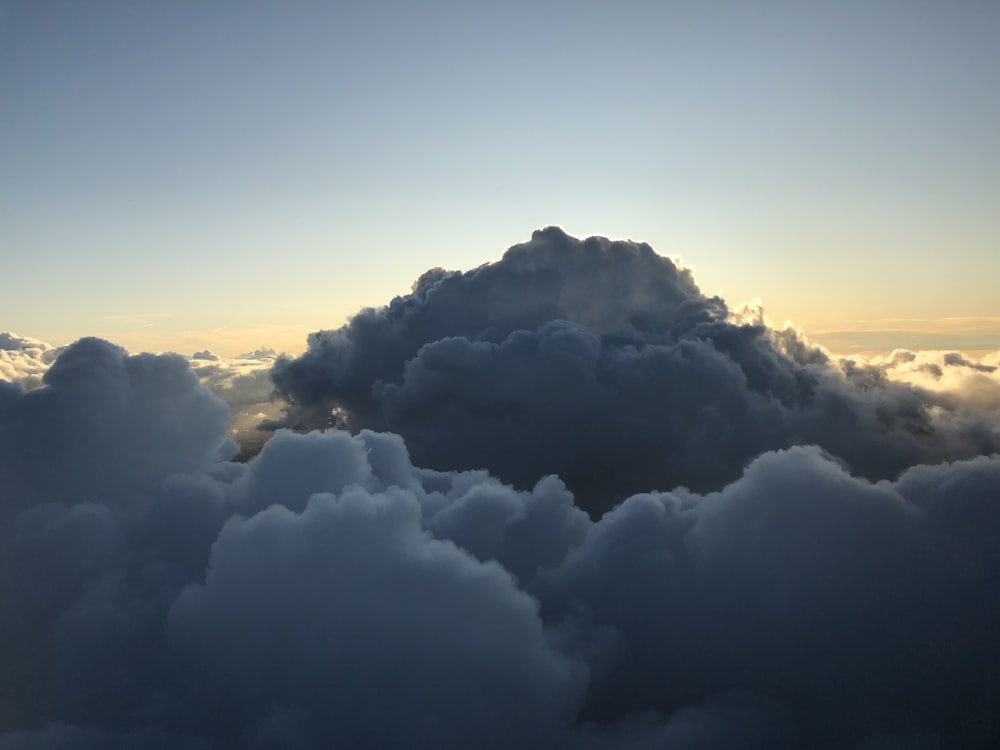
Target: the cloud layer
(332, 591)
(329, 593)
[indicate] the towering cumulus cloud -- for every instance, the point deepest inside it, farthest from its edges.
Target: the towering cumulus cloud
(602, 362)
(331, 591)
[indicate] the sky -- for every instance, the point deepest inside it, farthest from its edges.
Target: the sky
(563, 496)
(182, 176)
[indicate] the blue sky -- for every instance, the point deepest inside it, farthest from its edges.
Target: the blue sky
(231, 175)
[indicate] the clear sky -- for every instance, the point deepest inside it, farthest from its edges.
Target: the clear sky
(181, 175)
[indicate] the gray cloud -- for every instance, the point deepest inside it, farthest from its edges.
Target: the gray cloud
(854, 606)
(602, 362)
(354, 612)
(103, 413)
(331, 591)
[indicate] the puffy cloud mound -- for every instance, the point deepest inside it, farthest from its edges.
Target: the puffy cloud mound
(330, 593)
(853, 606)
(367, 630)
(243, 382)
(602, 361)
(155, 593)
(104, 413)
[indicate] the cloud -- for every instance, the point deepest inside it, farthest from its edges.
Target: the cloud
(356, 613)
(611, 513)
(11, 342)
(241, 381)
(24, 360)
(138, 418)
(130, 613)
(244, 383)
(329, 592)
(962, 380)
(602, 362)
(850, 605)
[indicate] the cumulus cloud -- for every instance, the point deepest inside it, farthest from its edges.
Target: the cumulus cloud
(242, 382)
(961, 380)
(174, 595)
(359, 613)
(24, 360)
(331, 592)
(102, 412)
(603, 362)
(611, 513)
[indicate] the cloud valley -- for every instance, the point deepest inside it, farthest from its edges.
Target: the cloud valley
(574, 503)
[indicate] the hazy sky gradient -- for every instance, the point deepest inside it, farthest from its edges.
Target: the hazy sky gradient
(181, 175)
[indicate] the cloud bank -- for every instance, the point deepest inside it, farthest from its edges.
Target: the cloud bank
(602, 362)
(331, 591)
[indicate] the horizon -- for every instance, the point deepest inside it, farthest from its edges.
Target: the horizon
(974, 335)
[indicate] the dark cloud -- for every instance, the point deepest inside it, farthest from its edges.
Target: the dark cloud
(602, 362)
(242, 382)
(294, 601)
(852, 606)
(103, 413)
(619, 288)
(356, 614)
(332, 592)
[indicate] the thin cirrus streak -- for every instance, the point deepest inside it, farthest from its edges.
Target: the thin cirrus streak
(333, 590)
